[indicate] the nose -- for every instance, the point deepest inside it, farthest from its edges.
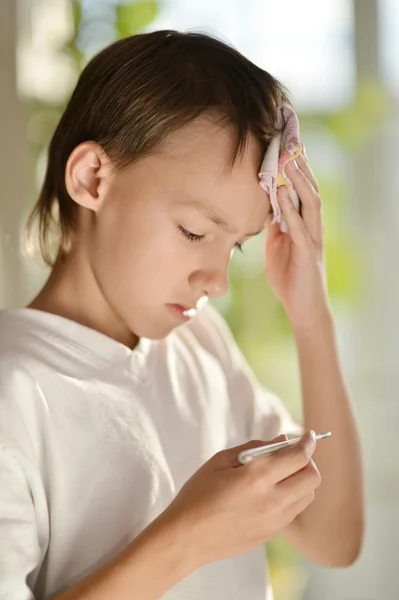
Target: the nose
(211, 282)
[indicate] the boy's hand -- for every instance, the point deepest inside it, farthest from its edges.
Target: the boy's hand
(295, 260)
(226, 508)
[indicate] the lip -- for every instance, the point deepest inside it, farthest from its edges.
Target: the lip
(182, 312)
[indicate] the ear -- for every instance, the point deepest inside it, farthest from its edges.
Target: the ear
(86, 175)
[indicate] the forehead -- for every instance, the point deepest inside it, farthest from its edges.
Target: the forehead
(198, 165)
(209, 143)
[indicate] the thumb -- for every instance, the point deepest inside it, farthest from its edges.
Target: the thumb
(280, 438)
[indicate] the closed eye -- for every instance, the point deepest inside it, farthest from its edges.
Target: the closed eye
(194, 237)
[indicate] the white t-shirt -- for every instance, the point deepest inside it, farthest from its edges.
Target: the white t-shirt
(96, 440)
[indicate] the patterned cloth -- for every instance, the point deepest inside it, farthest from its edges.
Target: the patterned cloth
(283, 148)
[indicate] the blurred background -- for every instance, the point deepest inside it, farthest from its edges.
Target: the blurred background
(340, 60)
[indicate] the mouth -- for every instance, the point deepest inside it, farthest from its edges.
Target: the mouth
(185, 312)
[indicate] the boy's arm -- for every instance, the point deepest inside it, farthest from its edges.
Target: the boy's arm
(152, 564)
(330, 530)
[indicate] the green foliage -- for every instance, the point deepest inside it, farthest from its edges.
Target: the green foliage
(134, 17)
(354, 125)
(71, 47)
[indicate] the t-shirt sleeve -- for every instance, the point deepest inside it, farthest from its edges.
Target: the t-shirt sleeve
(19, 547)
(256, 412)
(22, 494)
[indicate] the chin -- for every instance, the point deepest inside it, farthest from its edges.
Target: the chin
(153, 329)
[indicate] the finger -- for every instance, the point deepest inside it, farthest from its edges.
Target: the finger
(300, 483)
(273, 232)
(280, 438)
(297, 486)
(284, 463)
(296, 225)
(298, 507)
(310, 201)
(226, 459)
(304, 165)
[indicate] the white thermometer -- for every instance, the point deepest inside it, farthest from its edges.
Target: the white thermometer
(247, 455)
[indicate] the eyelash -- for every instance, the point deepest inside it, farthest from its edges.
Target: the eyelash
(193, 237)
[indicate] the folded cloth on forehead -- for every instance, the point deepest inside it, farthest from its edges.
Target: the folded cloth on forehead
(282, 149)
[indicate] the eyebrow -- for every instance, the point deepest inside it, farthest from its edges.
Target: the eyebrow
(212, 216)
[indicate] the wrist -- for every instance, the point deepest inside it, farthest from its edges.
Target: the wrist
(320, 326)
(164, 543)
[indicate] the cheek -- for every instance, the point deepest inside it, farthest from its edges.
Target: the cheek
(137, 261)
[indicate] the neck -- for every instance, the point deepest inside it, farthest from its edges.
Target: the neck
(73, 292)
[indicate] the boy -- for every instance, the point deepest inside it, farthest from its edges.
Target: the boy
(122, 410)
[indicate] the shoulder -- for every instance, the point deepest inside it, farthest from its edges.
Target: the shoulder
(20, 336)
(16, 345)
(22, 349)
(22, 359)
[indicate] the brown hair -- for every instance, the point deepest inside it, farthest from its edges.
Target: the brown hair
(136, 92)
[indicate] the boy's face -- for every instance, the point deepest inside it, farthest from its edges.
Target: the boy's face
(152, 242)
